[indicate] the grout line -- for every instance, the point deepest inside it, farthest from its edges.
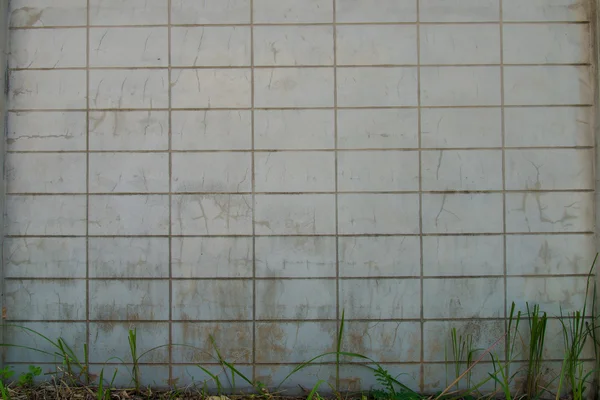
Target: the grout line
(252, 116)
(87, 185)
(170, 147)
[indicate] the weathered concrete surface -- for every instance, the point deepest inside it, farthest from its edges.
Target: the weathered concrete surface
(249, 169)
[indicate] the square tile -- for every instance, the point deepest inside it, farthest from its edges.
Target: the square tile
(128, 215)
(210, 46)
(211, 172)
(129, 88)
(377, 256)
(129, 300)
(45, 173)
(459, 10)
(461, 127)
(293, 87)
(378, 171)
(385, 341)
(210, 12)
(295, 257)
(377, 128)
(294, 171)
(47, 13)
(211, 214)
(463, 298)
(129, 130)
(48, 131)
(462, 213)
(463, 255)
(292, 11)
(107, 341)
(212, 300)
(211, 257)
(460, 44)
(541, 85)
(549, 212)
(373, 44)
(296, 299)
(210, 88)
(378, 213)
(545, 10)
(461, 170)
(380, 298)
(47, 48)
(144, 47)
(294, 129)
(47, 89)
(211, 130)
(130, 12)
(460, 86)
(373, 86)
(274, 374)
(128, 172)
(44, 257)
(386, 11)
(128, 257)
(300, 214)
(293, 45)
(52, 215)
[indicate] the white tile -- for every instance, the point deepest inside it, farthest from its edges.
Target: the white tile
(47, 89)
(460, 44)
(548, 126)
(128, 172)
(211, 172)
(128, 257)
(378, 128)
(385, 11)
(372, 86)
(378, 213)
(380, 298)
(47, 48)
(106, 341)
(130, 12)
(549, 212)
(297, 299)
(129, 130)
(210, 46)
(292, 11)
(462, 213)
(557, 85)
(44, 257)
(144, 47)
(463, 255)
(554, 169)
(210, 11)
(211, 130)
(300, 214)
(546, 44)
(212, 214)
(294, 129)
(461, 127)
(378, 171)
(129, 300)
(295, 257)
(549, 254)
(293, 87)
(45, 173)
(384, 341)
(46, 131)
(545, 10)
(294, 171)
(375, 256)
(461, 170)
(210, 88)
(196, 300)
(459, 10)
(45, 215)
(129, 88)
(293, 45)
(46, 13)
(128, 215)
(373, 44)
(62, 300)
(216, 257)
(460, 86)
(464, 298)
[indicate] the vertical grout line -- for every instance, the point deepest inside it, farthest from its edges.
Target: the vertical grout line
(422, 314)
(501, 28)
(253, 191)
(335, 171)
(87, 184)
(170, 240)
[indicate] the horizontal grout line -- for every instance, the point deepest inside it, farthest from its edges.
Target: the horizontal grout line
(255, 24)
(309, 66)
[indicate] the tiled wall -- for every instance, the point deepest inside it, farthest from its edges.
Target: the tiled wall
(252, 168)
